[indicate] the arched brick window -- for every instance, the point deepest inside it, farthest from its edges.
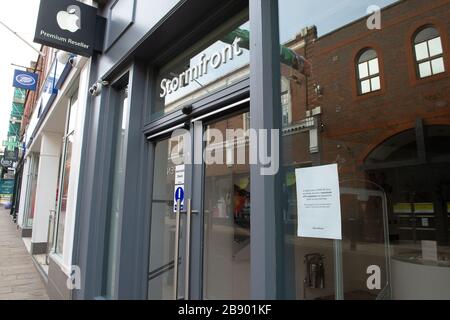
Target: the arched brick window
(429, 53)
(368, 72)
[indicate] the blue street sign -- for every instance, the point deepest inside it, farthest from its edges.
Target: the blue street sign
(178, 196)
(25, 80)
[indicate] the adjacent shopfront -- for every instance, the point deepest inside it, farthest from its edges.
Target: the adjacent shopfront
(52, 136)
(267, 150)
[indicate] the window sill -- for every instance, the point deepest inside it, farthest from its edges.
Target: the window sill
(365, 96)
(436, 77)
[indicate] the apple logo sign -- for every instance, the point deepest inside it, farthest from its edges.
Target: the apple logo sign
(70, 20)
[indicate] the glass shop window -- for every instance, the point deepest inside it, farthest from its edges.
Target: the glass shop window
(65, 173)
(386, 233)
(217, 61)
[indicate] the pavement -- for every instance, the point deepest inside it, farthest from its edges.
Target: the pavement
(19, 279)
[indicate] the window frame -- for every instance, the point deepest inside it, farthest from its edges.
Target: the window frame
(112, 251)
(360, 79)
(73, 101)
(430, 58)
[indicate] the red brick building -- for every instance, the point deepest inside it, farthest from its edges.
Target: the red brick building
(41, 68)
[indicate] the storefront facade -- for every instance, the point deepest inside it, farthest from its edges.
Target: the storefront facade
(52, 137)
(205, 118)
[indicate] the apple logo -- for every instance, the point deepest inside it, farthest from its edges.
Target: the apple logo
(70, 20)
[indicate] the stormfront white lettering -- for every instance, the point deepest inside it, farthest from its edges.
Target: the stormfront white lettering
(228, 53)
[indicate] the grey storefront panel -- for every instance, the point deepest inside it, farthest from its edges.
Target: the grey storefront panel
(159, 27)
(128, 61)
(320, 119)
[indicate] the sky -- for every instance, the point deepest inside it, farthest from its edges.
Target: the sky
(19, 15)
(327, 15)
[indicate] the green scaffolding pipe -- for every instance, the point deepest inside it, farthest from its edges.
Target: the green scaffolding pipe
(287, 56)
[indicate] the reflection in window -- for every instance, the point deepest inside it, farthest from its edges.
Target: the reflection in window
(368, 72)
(227, 220)
(286, 101)
(169, 155)
(429, 53)
(65, 173)
(31, 191)
(394, 184)
(117, 193)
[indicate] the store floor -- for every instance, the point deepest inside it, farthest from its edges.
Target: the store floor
(19, 279)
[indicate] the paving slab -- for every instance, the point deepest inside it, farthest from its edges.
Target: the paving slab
(19, 279)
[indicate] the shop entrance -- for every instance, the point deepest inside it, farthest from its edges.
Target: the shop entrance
(200, 213)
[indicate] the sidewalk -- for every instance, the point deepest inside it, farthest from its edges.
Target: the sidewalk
(19, 279)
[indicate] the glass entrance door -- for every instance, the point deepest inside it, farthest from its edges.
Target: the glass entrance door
(202, 250)
(226, 262)
(166, 235)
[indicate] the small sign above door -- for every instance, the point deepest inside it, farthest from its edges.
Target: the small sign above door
(178, 194)
(179, 178)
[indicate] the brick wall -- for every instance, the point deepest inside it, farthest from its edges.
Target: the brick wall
(33, 96)
(354, 125)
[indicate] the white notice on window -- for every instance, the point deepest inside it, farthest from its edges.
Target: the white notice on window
(318, 202)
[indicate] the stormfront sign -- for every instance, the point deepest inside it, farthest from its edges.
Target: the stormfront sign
(215, 61)
(68, 25)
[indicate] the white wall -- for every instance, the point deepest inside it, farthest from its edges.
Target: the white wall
(46, 185)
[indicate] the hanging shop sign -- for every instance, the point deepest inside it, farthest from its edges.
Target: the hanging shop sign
(6, 163)
(6, 190)
(68, 25)
(318, 202)
(11, 155)
(25, 80)
(11, 143)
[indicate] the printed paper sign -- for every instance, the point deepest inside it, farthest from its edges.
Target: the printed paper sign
(318, 202)
(179, 177)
